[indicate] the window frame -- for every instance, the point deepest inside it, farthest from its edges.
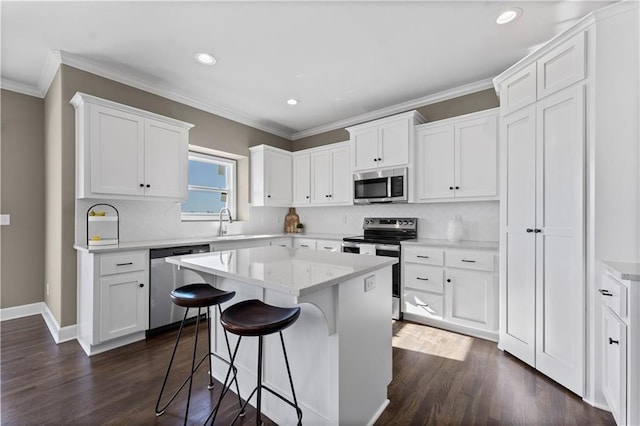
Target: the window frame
(232, 166)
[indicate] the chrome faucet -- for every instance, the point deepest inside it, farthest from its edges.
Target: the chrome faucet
(221, 229)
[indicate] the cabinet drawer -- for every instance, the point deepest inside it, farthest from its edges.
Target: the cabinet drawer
(614, 295)
(423, 277)
(304, 243)
(470, 260)
(329, 245)
(424, 304)
(426, 255)
(119, 263)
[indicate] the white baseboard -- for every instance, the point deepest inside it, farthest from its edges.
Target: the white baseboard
(378, 413)
(59, 334)
(21, 311)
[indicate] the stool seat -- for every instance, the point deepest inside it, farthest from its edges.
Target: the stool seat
(256, 318)
(199, 296)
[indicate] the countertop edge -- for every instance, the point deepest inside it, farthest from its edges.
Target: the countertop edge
(629, 271)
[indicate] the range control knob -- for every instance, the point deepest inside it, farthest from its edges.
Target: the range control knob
(410, 222)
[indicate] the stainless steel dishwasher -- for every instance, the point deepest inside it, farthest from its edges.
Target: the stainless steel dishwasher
(163, 313)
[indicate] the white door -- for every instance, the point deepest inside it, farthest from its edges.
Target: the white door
(301, 179)
(341, 182)
(560, 281)
(365, 149)
(435, 163)
(517, 265)
(469, 298)
(321, 177)
(476, 158)
(393, 144)
(278, 172)
(124, 301)
(117, 152)
(166, 160)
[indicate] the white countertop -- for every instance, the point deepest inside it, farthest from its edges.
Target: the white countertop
(293, 271)
(464, 244)
(624, 270)
(138, 245)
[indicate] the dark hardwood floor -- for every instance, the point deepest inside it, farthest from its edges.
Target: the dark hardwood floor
(439, 378)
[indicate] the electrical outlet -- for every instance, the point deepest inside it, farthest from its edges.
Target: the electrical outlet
(369, 283)
(47, 289)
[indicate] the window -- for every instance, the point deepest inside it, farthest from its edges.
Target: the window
(211, 187)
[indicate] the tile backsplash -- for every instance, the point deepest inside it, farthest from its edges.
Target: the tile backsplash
(480, 219)
(158, 220)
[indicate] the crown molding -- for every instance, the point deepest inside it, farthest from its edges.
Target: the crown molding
(25, 89)
(395, 109)
(124, 77)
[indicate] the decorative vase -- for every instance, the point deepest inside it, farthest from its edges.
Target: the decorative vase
(291, 221)
(454, 229)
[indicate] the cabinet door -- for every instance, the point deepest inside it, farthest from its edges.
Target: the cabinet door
(278, 172)
(393, 144)
(124, 302)
(341, 182)
(117, 152)
(469, 298)
(562, 67)
(517, 265)
(476, 158)
(614, 362)
(301, 179)
(365, 149)
(166, 160)
(320, 177)
(435, 149)
(519, 90)
(560, 280)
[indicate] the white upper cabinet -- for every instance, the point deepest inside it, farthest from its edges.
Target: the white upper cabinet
(271, 172)
(559, 68)
(457, 158)
(301, 179)
(383, 143)
(126, 153)
(330, 176)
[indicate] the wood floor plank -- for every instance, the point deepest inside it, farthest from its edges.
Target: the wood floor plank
(439, 378)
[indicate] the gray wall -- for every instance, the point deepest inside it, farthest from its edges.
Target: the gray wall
(473, 102)
(22, 196)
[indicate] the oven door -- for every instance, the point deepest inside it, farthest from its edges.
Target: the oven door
(392, 250)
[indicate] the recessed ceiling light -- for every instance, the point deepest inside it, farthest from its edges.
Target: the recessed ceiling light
(509, 15)
(205, 58)
(292, 101)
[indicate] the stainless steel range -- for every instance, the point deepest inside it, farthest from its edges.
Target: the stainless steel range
(382, 237)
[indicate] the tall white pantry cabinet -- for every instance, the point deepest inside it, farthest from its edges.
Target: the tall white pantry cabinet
(569, 162)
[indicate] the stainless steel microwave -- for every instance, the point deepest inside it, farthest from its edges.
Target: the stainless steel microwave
(381, 186)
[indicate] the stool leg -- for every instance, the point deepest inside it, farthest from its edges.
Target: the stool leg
(193, 365)
(259, 384)
(235, 370)
(210, 350)
(159, 411)
(293, 392)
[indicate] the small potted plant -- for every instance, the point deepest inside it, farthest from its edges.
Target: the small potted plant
(300, 228)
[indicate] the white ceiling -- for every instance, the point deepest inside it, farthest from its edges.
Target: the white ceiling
(339, 59)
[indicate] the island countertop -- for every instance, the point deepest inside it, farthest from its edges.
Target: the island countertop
(292, 271)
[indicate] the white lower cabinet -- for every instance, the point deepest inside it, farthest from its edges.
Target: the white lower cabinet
(113, 299)
(620, 345)
(329, 245)
(451, 288)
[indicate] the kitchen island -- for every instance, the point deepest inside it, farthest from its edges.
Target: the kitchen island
(340, 347)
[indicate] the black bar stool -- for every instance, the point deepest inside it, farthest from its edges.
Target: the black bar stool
(197, 296)
(256, 318)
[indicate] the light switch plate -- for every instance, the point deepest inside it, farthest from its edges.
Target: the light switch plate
(369, 283)
(5, 219)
